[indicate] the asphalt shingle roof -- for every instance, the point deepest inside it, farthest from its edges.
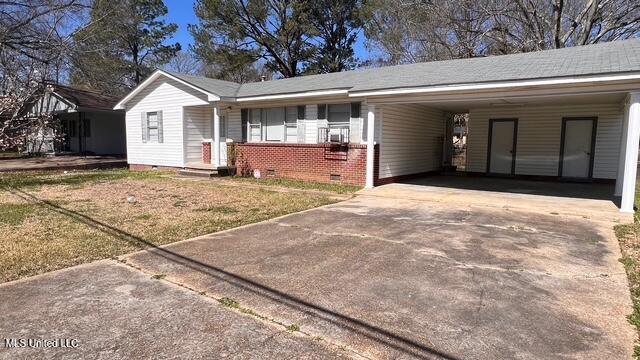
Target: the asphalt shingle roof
(607, 58)
(215, 86)
(85, 98)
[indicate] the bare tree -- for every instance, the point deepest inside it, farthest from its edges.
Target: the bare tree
(35, 39)
(185, 63)
(422, 30)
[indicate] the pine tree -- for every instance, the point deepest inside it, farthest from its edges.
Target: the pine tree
(123, 44)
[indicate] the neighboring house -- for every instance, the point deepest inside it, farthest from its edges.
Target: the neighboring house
(86, 120)
(571, 114)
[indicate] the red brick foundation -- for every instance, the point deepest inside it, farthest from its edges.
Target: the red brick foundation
(324, 163)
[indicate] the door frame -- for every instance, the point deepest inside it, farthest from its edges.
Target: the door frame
(563, 134)
(515, 143)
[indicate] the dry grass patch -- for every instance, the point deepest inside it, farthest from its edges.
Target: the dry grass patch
(51, 221)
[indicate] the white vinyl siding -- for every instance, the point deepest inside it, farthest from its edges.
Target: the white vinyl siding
(197, 127)
(539, 133)
(411, 139)
(168, 96)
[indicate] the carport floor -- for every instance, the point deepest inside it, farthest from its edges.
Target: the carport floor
(412, 276)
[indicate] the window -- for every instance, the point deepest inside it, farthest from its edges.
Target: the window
(152, 126)
(339, 114)
(275, 124)
(223, 126)
(322, 111)
(272, 124)
(355, 110)
(291, 124)
(245, 123)
(255, 125)
(73, 127)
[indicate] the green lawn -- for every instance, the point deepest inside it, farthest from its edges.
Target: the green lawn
(53, 220)
(629, 238)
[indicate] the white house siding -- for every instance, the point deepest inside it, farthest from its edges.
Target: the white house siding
(411, 139)
(170, 97)
(539, 136)
(197, 127)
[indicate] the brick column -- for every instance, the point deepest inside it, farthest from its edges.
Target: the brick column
(206, 152)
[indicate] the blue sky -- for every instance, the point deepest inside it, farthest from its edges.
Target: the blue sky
(181, 13)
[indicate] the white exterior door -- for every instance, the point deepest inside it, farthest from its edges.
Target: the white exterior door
(223, 138)
(577, 148)
(502, 146)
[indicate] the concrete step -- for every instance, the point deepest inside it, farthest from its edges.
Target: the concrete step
(198, 172)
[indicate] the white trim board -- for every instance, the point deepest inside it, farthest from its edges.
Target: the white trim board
(156, 74)
(494, 85)
(294, 95)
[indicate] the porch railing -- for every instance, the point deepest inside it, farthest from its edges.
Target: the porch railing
(333, 134)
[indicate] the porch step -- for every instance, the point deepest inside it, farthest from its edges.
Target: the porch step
(198, 173)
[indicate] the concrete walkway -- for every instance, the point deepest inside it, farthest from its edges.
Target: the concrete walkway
(395, 272)
(61, 162)
(116, 312)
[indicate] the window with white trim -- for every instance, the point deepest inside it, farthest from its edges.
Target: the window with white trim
(279, 124)
(152, 126)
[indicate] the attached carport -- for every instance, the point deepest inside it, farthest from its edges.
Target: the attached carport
(559, 130)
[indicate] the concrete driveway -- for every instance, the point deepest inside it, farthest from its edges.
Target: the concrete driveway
(402, 271)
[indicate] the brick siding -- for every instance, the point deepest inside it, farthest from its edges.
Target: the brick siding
(308, 162)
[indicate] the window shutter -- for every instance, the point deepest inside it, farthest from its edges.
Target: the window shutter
(322, 111)
(355, 110)
(145, 132)
(160, 138)
(245, 123)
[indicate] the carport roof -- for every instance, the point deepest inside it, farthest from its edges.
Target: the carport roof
(606, 58)
(611, 58)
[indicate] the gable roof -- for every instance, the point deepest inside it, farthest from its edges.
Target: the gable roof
(219, 87)
(81, 98)
(611, 58)
(605, 58)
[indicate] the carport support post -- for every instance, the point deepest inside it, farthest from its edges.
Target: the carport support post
(216, 136)
(631, 153)
(371, 117)
(623, 150)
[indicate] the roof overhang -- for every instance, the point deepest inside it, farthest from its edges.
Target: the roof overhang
(496, 86)
(305, 94)
(155, 75)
